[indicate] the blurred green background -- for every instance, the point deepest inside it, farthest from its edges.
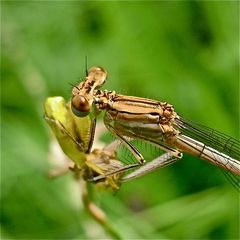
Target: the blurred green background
(185, 53)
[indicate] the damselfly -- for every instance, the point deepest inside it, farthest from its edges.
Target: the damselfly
(155, 122)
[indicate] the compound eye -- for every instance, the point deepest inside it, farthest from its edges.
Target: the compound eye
(80, 106)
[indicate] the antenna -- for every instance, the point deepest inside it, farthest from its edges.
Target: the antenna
(86, 66)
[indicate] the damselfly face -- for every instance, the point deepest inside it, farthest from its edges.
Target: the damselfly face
(83, 94)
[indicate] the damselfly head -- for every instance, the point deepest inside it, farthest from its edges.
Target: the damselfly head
(80, 106)
(83, 94)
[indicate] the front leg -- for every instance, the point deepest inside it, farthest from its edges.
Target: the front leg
(92, 135)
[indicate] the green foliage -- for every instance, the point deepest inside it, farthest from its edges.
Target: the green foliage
(185, 53)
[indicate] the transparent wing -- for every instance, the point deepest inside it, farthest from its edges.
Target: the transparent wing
(227, 147)
(210, 137)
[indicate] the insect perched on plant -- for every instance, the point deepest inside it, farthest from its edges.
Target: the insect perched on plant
(129, 118)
